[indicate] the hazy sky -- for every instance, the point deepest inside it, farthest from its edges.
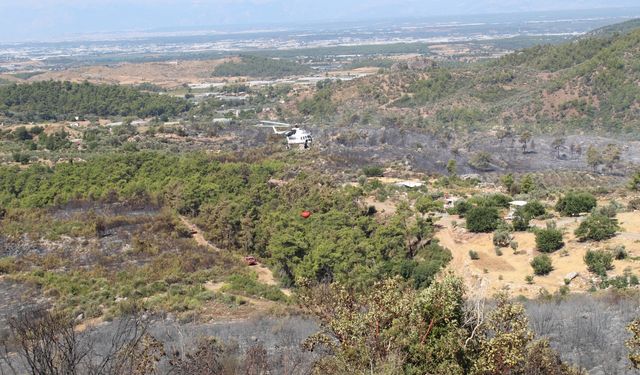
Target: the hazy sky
(53, 19)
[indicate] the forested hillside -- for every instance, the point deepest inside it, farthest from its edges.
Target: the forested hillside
(54, 100)
(590, 84)
(262, 67)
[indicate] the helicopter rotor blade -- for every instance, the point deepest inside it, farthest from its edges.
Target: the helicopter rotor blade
(274, 123)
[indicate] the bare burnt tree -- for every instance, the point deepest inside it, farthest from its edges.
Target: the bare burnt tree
(47, 342)
(129, 350)
(43, 342)
(256, 361)
(205, 360)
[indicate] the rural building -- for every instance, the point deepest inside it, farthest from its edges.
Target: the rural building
(222, 121)
(513, 206)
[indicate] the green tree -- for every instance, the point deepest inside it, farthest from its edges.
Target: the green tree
(575, 203)
(481, 161)
(461, 208)
(520, 220)
(542, 265)
(452, 168)
(508, 181)
(557, 145)
(55, 100)
(534, 209)
(482, 219)
(503, 346)
(633, 343)
(426, 204)
(597, 227)
(599, 261)
(634, 183)
(611, 156)
(261, 67)
(594, 158)
(527, 184)
(502, 236)
(549, 239)
(390, 327)
(525, 137)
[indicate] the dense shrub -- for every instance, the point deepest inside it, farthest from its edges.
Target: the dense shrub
(634, 204)
(373, 171)
(573, 204)
(423, 272)
(482, 219)
(461, 208)
(618, 282)
(491, 200)
(549, 240)
(527, 184)
(520, 220)
(426, 204)
(534, 209)
(502, 236)
(620, 252)
(249, 285)
(599, 261)
(597, 227)
(610, 210)
(542, 265)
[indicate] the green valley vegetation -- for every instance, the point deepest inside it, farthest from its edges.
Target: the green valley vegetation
(238, 210)
(55, 100)
(261, 67)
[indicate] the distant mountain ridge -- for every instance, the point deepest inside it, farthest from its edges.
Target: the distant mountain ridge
(620, 28)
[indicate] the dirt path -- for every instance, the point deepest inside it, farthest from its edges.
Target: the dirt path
(197, 234)
(265, 275)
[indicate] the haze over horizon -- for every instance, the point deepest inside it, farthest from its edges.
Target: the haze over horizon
(48, 20)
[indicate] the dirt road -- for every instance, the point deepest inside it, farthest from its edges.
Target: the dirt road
(197, 234)
(265, 275)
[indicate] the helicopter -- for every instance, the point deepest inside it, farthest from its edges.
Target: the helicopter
(295, 135)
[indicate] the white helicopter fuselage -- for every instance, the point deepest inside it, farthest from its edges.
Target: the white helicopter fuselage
(297, 136)
(294, 135)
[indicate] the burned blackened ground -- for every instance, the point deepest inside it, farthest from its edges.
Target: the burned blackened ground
(16, 298)
(120, 226)
(423, 151)
(587, 330)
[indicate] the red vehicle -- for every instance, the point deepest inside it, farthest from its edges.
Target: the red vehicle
(250, 261)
